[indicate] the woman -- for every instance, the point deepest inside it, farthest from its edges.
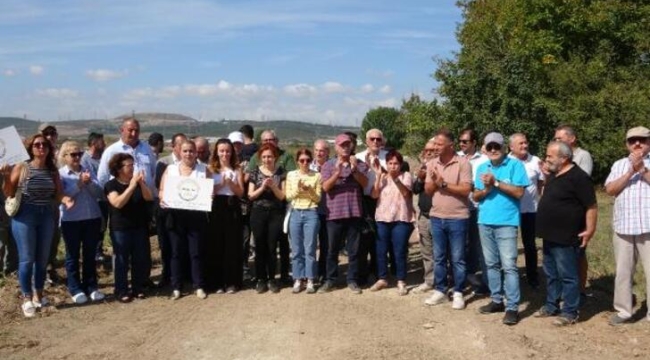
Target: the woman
(80, 219)
(186, 227)
(33, 225)
(303, 190)
(267, 215)
(225, 227)
(128, 196)
(394, 216)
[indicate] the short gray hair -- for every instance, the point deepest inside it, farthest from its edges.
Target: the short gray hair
(563, 149)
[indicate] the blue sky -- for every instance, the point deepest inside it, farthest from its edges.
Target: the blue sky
(319, 61)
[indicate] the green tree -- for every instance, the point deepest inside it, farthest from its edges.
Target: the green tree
(387, 120)
(421, 120)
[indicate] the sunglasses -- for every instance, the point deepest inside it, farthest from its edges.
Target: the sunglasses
(465, 141)
(304, 161)
(268, 140)
(493, 146)
(634, 140)
(375, 139)
(76, 154)
(39, 145)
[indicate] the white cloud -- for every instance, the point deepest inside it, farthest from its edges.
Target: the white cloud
(300, 90)
(57, 93)
(102, 75)
(9, 72)
(333, 87)
(367, 88)
(36, 69)
(385, 89)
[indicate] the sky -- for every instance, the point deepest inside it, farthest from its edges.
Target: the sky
(326, 61)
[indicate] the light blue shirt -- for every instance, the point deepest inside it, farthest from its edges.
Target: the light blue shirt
(143, 160)
(497, 208)
(85, 196)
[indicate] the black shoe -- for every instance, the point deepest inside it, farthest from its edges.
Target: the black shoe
(163, 283)
(354, 288)
(286, 280)
(491, 308)
(273, 286)
(326, 287)
(261, 287)
(511, 317)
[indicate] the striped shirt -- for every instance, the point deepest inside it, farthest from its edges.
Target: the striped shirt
(344, 199)
(39, 187)
(632, 205)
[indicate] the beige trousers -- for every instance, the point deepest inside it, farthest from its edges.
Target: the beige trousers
(426, 248)
(627, 250)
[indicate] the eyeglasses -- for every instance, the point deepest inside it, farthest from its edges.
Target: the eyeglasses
(268, 140)
(375, 139)
(493, 147)
(429, 150)
(634, 140)
(304, 161)
(39, 145)
(462, 141)
(76, 154)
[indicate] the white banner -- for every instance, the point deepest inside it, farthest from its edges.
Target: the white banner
(188, 193)
(12, 149)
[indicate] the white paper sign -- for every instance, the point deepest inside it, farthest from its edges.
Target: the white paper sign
(188, 193)
(12, 150)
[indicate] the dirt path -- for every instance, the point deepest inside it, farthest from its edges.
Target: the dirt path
(338, 325)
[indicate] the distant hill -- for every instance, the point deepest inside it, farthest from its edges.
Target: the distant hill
(169, 124)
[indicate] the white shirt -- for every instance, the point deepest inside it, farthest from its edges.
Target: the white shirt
(632, 205)
(475, 160)
(227, 174)
(371, 174)
(143, 160)
(528, 202)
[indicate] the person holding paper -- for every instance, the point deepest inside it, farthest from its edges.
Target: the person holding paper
(186, 227)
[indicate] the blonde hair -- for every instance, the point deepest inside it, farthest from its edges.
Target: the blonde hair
(65, 149)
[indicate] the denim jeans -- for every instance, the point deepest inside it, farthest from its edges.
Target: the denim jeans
(33, 228)
(342, 231)
(322, 245)
(500, 252)
(78, 235)
(303, 229)
(396, 234)
(449, 236)
(562, 279)
(129, 251)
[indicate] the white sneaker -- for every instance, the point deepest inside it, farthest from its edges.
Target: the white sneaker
(201, 294)
(97, 295)
(176, 294)
(422, 288)
(29, 310)
(80, 298)
(436, 298)
(297, 286)
(458, 303)
(311, 289)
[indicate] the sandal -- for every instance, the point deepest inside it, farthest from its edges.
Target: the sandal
(380, 284)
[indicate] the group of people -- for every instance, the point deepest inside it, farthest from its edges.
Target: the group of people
(313, 206)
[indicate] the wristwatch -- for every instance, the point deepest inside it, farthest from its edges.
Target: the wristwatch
(443, 185)
(497, 184)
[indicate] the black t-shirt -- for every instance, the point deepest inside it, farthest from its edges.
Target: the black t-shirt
(133, 215)
(248, 151)
(267, 199)
(562, 207)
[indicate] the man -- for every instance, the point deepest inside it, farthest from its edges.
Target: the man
(164, 243)
(202, 149)
(629, 182)
(250, 147)
(468, 144)
(90, 161)
(248, 151)
(499, 184)
(566, 216)
(582, 158)
(423, 223)
(449, 182)
(321, 156)
(528, 204)
(375, 149)
(343, 180)
(157, 142)
(51, 134)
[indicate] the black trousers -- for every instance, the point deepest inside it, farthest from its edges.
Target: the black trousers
(187, 235)
(225, 237)
(267, 230)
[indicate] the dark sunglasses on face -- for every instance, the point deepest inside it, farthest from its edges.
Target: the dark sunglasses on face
(39, 145)
(493, 146)
(634, 140)
(76, 154)
(304, 161)
(375, 139)
(465, 141)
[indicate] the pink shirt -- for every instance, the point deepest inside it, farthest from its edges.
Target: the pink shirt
(444, 204)
(392, 205)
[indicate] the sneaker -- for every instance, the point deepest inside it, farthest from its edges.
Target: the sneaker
(380, 284)
(176, 294)
(422, 288)
(261, 287)
(221, 291)
(231, 290)
(273, 286)
(511, 317)
(326, 287)
(544, 313)
(29, 310)
(97, 296)
(458, 303)
(80, 298)
(297, 287)
(616, 320)
(310, 287)
(564, 320)
(491, 308)
(354, 287)
(201, 294)
(436, 298)
(401, 288)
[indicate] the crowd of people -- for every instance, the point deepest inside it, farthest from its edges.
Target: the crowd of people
(308, 208)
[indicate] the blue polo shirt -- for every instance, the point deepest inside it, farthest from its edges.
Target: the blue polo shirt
(497, 208)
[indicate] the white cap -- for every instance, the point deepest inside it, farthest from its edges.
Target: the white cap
(236, 136)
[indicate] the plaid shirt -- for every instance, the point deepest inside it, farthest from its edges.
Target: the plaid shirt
(632, 205)
(344, 199)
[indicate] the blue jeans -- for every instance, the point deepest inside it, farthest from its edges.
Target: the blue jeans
(562, 279)
(342, 231)
(500, 252)
(75, 235)
(449, 236)
(303, 230)
(129, 251)
(396, 234)
(33, 228)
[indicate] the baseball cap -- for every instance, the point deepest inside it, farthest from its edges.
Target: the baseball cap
(341, 138)
(236, 136)
(494, 137)
(638, 131)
